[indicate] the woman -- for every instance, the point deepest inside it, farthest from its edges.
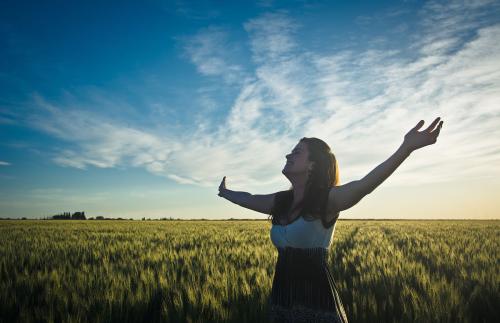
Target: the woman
(303, 222)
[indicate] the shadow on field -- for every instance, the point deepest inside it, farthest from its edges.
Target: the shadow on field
(163, 307)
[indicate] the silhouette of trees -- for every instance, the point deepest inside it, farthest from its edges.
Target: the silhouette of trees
(69, 216)
(78, 216)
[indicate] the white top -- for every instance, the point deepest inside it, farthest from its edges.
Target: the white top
(302, 234)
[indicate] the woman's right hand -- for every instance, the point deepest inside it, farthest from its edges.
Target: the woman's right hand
(222, 187)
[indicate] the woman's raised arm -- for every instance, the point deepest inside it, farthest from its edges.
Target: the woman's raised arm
(413, 140)
(262, 203)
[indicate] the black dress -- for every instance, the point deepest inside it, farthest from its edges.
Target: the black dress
(303, 288)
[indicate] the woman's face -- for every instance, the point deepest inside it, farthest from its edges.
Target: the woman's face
(297, 160)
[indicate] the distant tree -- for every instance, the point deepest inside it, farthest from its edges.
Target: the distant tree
(99, 217)
(78, 216)
(63, 216)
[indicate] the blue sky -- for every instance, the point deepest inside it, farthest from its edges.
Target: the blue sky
(140, 108)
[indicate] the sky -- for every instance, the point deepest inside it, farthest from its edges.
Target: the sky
(139, 109)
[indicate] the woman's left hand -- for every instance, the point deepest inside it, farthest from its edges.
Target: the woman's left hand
(415, 139)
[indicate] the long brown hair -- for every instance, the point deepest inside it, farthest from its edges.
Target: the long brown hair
(323, 175)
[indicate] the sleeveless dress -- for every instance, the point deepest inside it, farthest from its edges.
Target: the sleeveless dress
(303, 288)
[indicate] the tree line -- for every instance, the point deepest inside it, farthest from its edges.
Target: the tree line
(69, 216)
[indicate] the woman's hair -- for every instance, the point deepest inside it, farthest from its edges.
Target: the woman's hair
(323, 175)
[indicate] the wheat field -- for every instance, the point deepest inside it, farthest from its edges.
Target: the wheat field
(222, 271)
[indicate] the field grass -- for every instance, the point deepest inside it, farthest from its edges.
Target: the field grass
(190, 271)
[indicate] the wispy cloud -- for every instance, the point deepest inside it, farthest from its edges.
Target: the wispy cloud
(447, 25)
(360, 102)
(100, 142)
(211, 53)
(271, 36)
(4, 163)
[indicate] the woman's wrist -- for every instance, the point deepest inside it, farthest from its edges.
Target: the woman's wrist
(223, 192)
(406, 149)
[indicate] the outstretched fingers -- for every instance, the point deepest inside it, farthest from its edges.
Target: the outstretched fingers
(437, 130)
(419, 124)
(432, 125)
